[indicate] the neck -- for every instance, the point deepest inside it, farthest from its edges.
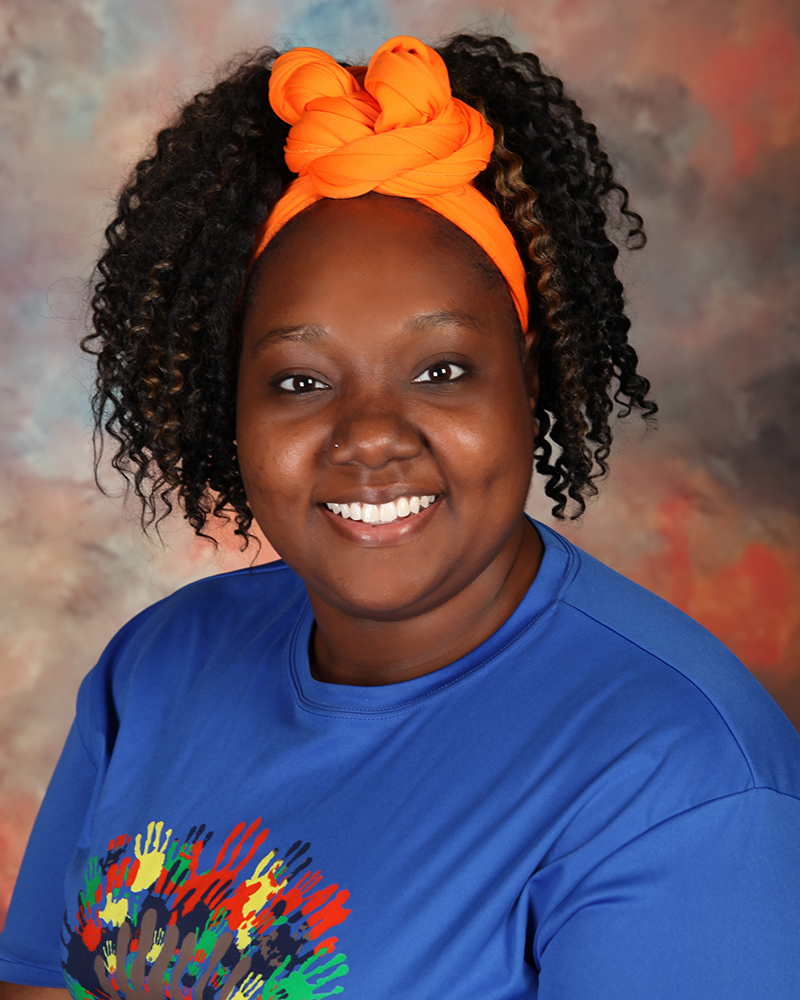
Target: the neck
(346, 649)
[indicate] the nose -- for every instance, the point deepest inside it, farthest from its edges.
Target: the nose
(373, 435)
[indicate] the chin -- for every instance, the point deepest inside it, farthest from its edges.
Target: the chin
(378, 600)
(383, 607)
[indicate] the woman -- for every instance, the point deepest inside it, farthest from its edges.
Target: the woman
(437, 752)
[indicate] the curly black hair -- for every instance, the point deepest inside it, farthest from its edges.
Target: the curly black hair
(166, 289)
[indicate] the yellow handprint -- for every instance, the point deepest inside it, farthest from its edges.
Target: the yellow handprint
(115, 912)
(151, 860)
(158, 944)
(110, 957)
(248, 987)
(263, 886)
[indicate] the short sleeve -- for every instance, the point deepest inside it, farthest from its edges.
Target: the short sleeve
(30, 945)
(31, 942)
(704, 906)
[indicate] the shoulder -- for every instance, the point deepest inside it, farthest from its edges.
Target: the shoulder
(260, 592)
(270, 585)
(208, 625)
(668, 667)
(218, 608)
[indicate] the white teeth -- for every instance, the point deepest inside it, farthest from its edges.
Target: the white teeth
(388, 512)
(371, 513)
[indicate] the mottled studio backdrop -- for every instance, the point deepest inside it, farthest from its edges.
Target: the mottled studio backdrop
(699, 101)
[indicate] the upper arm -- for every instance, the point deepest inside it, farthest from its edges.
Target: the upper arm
(30, 945)
(13, 991)
(704, 905)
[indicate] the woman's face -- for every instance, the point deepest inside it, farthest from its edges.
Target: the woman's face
(379, 367)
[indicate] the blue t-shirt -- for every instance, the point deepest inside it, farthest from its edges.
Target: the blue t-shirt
(597, 802)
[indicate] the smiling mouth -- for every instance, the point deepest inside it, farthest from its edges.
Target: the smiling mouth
(384, 513)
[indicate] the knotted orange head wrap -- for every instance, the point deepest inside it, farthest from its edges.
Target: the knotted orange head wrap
(395, 129)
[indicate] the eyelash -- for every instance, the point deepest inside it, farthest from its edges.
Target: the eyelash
(443, 363)
(319, 384)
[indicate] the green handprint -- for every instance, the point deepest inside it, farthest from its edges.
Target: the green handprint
(179, 857)
(298, 985)
(92, 878)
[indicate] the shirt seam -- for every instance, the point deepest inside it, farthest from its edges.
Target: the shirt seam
(671, 666)
(87, 749)
(571, 554)
(38, 968)
(678, 815)
(655, 826)
(330, 711)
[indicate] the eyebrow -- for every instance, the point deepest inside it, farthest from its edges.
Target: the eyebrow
(303, 332)
(445, 317)
(309, 332)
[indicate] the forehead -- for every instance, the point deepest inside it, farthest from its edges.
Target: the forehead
(379, 248)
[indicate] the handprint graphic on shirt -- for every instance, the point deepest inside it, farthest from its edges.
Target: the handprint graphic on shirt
(109, 958)
(151, 859)
(147, 982)
(169, 920)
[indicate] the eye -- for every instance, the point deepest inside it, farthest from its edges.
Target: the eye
(301, 384)
(442, 371)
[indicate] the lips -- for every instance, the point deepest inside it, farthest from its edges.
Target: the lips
(384, 513)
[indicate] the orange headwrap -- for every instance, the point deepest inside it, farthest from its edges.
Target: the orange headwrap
(402, 133)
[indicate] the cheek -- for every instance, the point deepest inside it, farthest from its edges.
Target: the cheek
(276, 461)
(494, 447)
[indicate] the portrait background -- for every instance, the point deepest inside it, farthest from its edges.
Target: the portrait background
(699, 103)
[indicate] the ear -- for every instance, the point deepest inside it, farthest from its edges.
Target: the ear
(530, 365)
